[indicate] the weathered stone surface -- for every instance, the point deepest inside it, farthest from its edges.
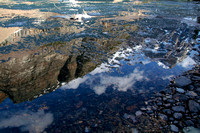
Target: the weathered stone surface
(193, 106)
(167, 111)
(138, 113)
(174, 128)
(189, 123)
(163, 117)
(178, 109)
(178, 115)
(182, 81)
(180, 90)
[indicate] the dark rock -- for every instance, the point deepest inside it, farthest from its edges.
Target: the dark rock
(169, 96)
(178, 116)
(174, 128)
(191, 94)
(149, 111)
(193, 106)
(183, 98)
(170, 101)
(138, 113)
(196, 78)
(159, 104)
(178, 109)
(163, 117)
(167, 111)
(180, 90)
(182, 81)
(189, 123)
(171, 119)
(191, 87)
(167, 105)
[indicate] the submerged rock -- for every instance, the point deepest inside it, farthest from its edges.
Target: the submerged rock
(178, 109)
(193, 106)
(182, 81)
(174, 128)
(178, 115)
(180, 90)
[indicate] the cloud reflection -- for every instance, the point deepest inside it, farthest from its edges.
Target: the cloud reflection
(34, 122)
(187, 62)
(120, 83)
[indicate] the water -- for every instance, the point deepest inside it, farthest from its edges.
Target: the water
(84, 65)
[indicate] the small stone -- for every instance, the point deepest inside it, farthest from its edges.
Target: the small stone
(178, 109)
(149, 111)
(191, 94)
(167, 105)
(167, 111)
(163, 117)
(196, 78)
(180, 90)
(182, 81)
(170, 101)
(191, 87)
(193, 106)
(189, 123)
(138, 113)
(174, 128)
(178, 116)
(159, 104)
(169, 96)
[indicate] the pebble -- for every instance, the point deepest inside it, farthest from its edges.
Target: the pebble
(182, 81)
(189, 123)
(163, 117)
(193, 106)
(178, 116)
(178, 109)
(191, 93)
(138, 113)
(174, 128)
(167, 111)
(180, 90)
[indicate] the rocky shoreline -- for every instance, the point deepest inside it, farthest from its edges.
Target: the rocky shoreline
(177, 107)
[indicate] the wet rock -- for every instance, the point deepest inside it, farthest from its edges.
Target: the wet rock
(196, 78)
(191, 87)
(189, 123)
(182, 81)
(138, 113)
(178, 109)
(170, 101)
(163, 117)
(193, 106)
(149, 111)
(174, 128)
(159, 104)
(180, 90)
(167, 105)
(167, 111)
(178, 116)
(183, 98)
(191, 94)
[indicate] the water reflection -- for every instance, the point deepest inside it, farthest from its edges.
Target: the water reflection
(30, 121)
(98, 70)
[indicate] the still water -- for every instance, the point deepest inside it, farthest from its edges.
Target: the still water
(69, 65)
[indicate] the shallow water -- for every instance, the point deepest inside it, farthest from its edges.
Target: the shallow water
(85, 65)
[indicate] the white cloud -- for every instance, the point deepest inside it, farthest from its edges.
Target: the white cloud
(34, 122)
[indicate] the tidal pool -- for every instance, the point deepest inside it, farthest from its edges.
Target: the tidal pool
(85, 66)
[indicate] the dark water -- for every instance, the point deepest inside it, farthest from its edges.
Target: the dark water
(83, 65)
